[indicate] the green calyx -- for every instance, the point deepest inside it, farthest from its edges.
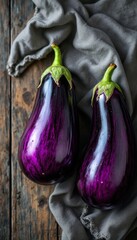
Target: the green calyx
(106, 85)
(56, 69)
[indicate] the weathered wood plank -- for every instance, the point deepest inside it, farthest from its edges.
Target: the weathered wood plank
(4, 124)
(31, 218)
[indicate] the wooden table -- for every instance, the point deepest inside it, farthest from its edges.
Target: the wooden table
(24, 211)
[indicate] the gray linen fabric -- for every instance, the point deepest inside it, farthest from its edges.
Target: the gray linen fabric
(91, 35)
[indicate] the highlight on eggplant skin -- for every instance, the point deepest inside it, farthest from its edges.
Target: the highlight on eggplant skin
(48, 146)
(108, 170)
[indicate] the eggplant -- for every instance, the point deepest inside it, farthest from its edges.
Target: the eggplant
(108, 169)
(48, 147)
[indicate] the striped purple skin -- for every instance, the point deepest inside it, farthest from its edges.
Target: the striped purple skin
(108, 169)
(47, 150)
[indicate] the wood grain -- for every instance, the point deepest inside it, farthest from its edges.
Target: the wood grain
(4, 124)
(31, 217)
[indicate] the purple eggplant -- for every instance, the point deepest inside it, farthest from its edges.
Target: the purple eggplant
(48, 146)
(108, 170)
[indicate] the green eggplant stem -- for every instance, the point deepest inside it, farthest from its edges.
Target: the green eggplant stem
(57, 59)
(108, 73)
(57, 70)
(106, 86)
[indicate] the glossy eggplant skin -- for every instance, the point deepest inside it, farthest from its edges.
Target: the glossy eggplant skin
(108, 169)
(47, 150)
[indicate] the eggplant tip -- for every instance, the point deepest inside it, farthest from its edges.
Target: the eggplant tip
(113, 65)
(53, 45)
